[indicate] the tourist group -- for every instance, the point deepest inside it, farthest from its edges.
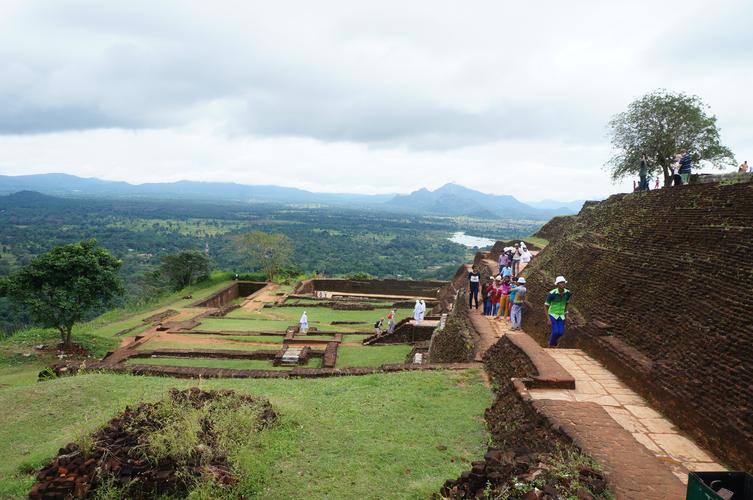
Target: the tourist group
(504, 295)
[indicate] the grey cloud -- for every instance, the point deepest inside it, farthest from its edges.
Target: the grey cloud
(101, 65)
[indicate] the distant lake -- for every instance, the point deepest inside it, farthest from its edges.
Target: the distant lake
(471, 241)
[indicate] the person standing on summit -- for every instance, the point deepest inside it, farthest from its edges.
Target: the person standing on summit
(686, 167)
(474, 281)
(643, 173)
(556, 309)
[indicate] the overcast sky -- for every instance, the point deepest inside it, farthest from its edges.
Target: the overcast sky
(372, 97)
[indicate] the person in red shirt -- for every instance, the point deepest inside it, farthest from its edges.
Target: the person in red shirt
(495, 294)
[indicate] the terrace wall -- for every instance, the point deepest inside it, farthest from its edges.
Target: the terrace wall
(407, 288)
(455, 343)
(230, 293)
(661, 286)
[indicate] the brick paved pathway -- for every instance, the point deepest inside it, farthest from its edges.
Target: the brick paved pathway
(596, 384)
(644, 455)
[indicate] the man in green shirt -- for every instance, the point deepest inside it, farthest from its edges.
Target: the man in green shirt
(556, 309)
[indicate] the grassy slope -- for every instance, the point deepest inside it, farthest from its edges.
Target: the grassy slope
(96, 335)
(349, 437)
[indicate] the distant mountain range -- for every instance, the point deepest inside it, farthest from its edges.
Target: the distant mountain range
(448, 200)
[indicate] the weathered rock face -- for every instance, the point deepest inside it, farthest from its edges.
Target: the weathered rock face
(661, 286)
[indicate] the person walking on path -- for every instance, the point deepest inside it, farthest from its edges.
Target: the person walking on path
(474, 280)
(556, 309)
(494, 296)
(516, 260)
(303, 323)
(391, 321)
(503, 261)
(516, 312)
(417, 312)
(423, 309)
(485, 295)
(504, 301)
(506, 271)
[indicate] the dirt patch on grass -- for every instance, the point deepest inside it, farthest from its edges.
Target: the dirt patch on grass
(158, 449)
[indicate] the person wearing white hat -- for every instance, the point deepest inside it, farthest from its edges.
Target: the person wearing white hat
(556, 309)
(517, 305)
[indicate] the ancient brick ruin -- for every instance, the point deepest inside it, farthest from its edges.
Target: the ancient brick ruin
(662, 286)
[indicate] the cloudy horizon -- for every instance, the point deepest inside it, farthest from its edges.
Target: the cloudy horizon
(357, 97)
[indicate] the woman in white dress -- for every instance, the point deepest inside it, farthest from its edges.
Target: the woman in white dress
(303, 324)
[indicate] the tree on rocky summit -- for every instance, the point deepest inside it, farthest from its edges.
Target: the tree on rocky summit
(269, 252)
(660, 125)
(185, 268)
(61, 287)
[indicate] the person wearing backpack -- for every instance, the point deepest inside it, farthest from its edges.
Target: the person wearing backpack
(378, 327)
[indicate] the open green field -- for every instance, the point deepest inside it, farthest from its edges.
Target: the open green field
(268, 325)
(172, 344)
(319, 315)
(348, 356)
(388, 435)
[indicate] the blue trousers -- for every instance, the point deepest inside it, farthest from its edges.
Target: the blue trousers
(516, 315)
(495, 308)
(487, 306)
(558, 330)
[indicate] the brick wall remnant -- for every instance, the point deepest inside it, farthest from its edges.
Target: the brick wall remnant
(661, 287)
(230, 293)
(454, 344)
(390, 287)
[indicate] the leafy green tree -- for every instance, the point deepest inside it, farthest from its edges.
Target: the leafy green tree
(185, 268)
(269, 252)
(660, 125)
(61, 287)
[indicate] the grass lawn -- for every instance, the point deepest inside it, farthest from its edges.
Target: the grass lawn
(322, 315)
(348, 356)
(236, 364)
(277, 339)
(355, 338)
(242, 325)
(266, 325)
(171, 344)
(315, 337)
(388, 435)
